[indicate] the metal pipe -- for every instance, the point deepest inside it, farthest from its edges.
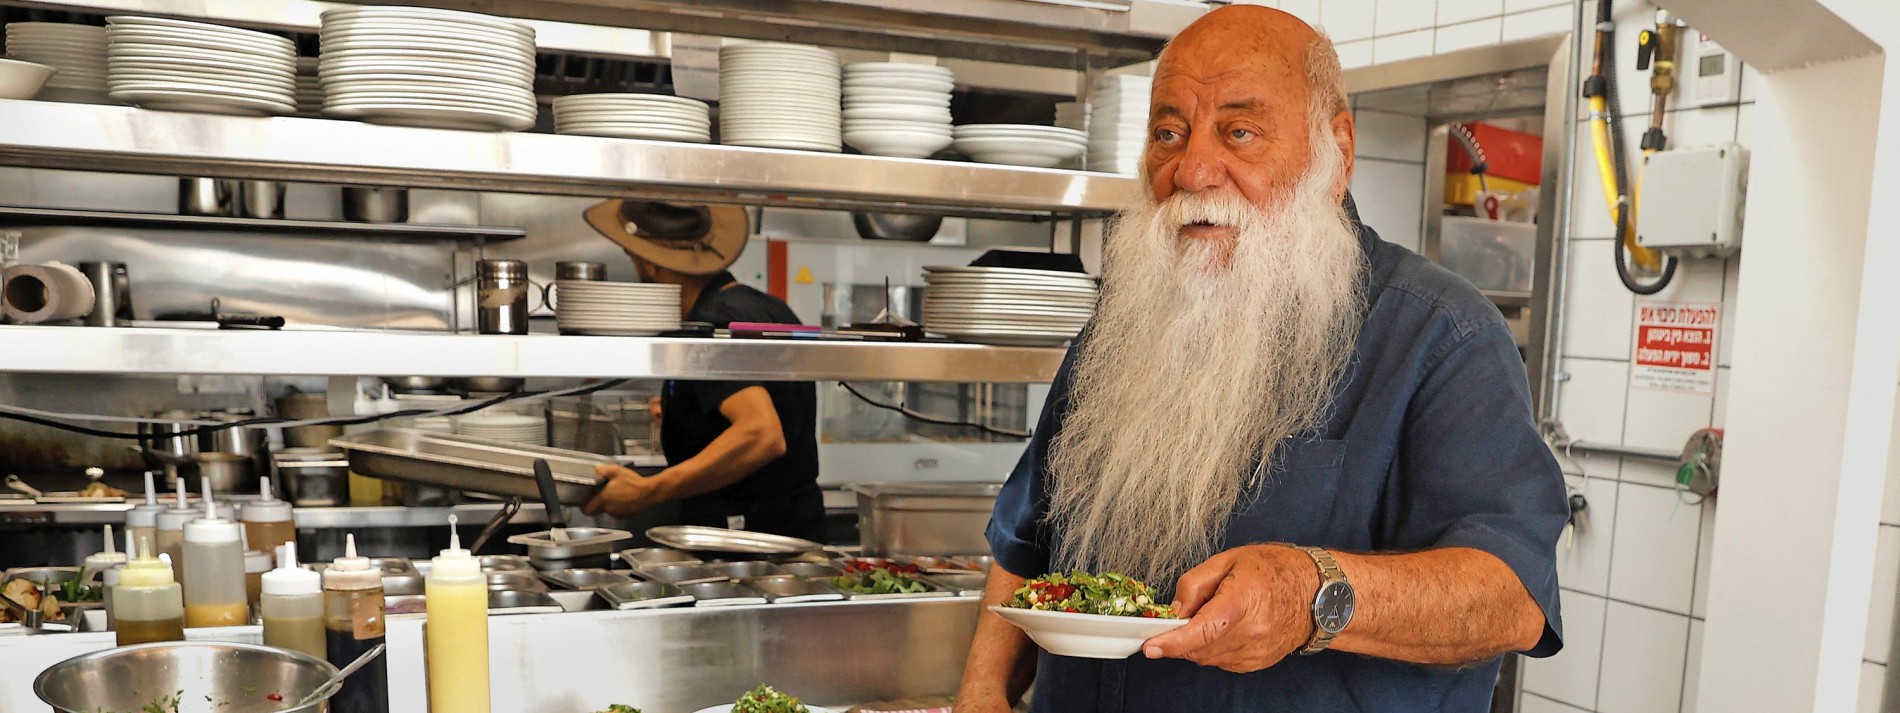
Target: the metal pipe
(1622, 450)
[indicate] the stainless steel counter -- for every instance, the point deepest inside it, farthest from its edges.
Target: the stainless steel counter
(29, 513)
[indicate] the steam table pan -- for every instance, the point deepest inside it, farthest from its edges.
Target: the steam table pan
(468, 463)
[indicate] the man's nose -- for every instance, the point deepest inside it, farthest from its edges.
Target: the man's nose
(1201, 168)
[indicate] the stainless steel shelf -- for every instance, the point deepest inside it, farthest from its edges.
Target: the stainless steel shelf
(11, 216)
(29, 513)
(128, 140)
(137, 350)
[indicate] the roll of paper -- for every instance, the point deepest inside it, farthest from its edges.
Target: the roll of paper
(53, 292)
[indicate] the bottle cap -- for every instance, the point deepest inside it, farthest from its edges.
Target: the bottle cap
(455, 563)
(175, 517)
(101, 561)
(146, 513)
(212, 528)
(351, 571)
(267, 509)
(290, 578)
(146, 571)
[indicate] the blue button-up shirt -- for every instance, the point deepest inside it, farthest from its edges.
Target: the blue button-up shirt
(1431, 443)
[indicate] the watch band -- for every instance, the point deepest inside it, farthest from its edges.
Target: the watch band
(1329, 572)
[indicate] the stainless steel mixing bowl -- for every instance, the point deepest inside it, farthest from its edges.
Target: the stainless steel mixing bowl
(201, 675)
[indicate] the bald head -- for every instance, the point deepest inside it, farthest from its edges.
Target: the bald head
(1238, 96)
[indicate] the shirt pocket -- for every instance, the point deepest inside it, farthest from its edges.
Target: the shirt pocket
(1301, 501)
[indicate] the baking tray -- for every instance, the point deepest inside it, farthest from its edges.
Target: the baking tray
(788, 589)
(584, 579)
(643, 595)
(693, 538)
(722, 594)
(468, 463)
(574, 543)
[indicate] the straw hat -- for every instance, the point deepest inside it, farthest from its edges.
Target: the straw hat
(687, 239)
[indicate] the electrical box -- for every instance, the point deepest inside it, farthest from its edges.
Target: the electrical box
(1715, 75)
(1692, 201)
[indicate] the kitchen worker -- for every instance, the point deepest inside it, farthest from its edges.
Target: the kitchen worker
(741, 454)
(1317, 444)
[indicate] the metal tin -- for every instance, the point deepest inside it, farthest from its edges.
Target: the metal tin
(693, 538)
(682, 574)
(501, 296)
(722, 594)
(518, 601)
(963, 583)
(515, 580)
(572, 543)
(643, 595)
(580, 270)
(584, 579)
(465, 463)
(573, 601)
(505, 563)
(810, 569)
(655, 555)
(393, 566)
(745, 570)
(788, 589)
(925, 518)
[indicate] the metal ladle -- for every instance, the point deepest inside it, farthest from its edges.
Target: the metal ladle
(336, 681)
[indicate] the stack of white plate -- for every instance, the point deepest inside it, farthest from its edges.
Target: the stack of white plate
(509, 427)
(1118, 124)
(897, 109)
(779, 96)
(618, 309)
(633, 116)
(1072, 115)
(309, 92)
(77, 51)
(425, 67)
(175, 65)
(999, 305)
(433, 424)
(1020, 144)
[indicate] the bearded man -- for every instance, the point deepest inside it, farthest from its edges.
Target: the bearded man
(1318, 443)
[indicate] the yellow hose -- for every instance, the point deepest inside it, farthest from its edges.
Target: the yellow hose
(1644, 258)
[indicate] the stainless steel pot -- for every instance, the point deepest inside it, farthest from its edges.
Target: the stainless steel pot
(365, 204)
(243, 678)
(260, 199)
(897, 226)
(924, 518)
(161, 445)
(314, 477)
(501, 296)
(298, 406)
(227, 473)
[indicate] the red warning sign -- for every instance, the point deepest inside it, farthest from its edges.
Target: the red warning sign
(1674, 348)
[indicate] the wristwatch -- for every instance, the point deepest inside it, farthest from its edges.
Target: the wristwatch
(1332, 605)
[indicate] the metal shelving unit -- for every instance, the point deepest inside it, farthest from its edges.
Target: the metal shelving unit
(13, 217)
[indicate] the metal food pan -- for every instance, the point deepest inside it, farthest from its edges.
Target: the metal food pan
(393, 566)
(468, 463)
(931, 589)
(744, 570)
(505, 563)
(946, 565)
(643, 595)
(656, 555)
(515, 580)
(584, 579)
(722, 594)
(789, 589)
(960, 582)
(810, 569)
(405, 604)
(924, 518)
(402, 584)
(682, 574)
(517, 601)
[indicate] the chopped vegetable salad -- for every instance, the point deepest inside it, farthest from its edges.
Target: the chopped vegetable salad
(1112, 594)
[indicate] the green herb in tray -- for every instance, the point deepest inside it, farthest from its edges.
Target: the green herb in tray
(1112, 593)
(620, 708)
(879, 581)
(72, 590)
(766, 699)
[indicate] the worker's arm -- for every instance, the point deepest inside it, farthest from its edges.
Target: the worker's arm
(1002, 660)
(754, 439)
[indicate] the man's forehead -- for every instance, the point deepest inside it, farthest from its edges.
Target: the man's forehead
(1239, 41)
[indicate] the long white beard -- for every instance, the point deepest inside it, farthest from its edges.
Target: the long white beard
(1202, 357)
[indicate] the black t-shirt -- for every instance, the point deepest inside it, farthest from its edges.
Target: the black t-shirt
(783, 496)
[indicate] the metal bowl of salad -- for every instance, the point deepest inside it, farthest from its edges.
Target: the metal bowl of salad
(765, 699)
(1096, 616)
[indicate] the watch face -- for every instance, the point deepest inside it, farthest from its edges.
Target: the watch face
(1332, 609)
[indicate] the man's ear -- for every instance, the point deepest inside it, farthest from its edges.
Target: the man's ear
(1343, 136)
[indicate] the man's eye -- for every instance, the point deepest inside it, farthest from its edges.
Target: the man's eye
(1166, 136)
(1241, 135)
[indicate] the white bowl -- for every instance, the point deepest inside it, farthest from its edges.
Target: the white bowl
(897, 143)
(22, 80)
(1089, 636)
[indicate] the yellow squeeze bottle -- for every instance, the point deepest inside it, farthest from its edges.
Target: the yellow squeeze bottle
(455, 639)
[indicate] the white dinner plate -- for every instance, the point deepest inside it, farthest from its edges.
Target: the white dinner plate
(789, 144)
(427, 16)
(377, 31)
(426, 70)
(165, 99)
(123, 26)
(434, 117)
(201, 64)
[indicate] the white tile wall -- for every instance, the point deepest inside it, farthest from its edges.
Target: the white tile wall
(1514, 6)
(1537, 23)
(1478, 33)
(1873, 679)
(1540, 704)
(1397, 16)
(1599, 320)
(1393, 48)
(1664, 419)
(1592, 407)
(1583, 562)
(1388, 194)
(1394, 137)
(1347, 20)
(1704, 555)
(1354, 54)
(1691, 671)
(1644, 654)
(1880, 605)
(1452, 12)
(1654, 562)
(1571, 675)
(1890, 502)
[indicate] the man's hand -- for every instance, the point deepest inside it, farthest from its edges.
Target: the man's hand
(984, 704)
(1249, 607)
(626, 492)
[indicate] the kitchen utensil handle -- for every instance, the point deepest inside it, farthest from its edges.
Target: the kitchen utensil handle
(544, 477)
(14, 482)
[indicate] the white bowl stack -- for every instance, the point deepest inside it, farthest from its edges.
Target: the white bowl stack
(425, 67)
(176, 65)
(506, 427)
(1020, 144)
(1118, 124)
(897, 109)
(1007, 306)
(634, 116)
(616, 309)
(309, 91)
(780, 96)
(77, 51)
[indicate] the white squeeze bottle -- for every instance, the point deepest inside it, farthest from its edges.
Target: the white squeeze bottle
(170, 525)
(99, 562)
(455, 638)
(146, 605)
(141, 522)
(267, 521)
(292, 605)
(214, 570)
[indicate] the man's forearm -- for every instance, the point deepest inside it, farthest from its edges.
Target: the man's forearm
(1002, 660)
(1447, 607)
(730, 458)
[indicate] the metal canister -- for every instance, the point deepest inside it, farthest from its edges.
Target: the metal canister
(580, 270)
(314, 477)
(111, 289)
(501, 296)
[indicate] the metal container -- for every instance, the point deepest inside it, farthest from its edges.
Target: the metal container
(787, 589)
(487, 384)
(501, 296)
(463, 463)
(50, 577)
(948, 565)
(910, 227)
(205, 196)
(522, 581)
(962, 583)
(416, 495)
(682, 574)
(655, 555)
(226, 472)
(161, 445)
(924, 518)
(299, 406)
(405, 604)
(366, 204)
(511, 601)
(401, 584)
(313, 477)
(259, 199)
(694, 538)
(722, 594)
(111, 293)
(505, 563)
(570, 543)
(580, 270)
(745, 570)
(578, 600)
(643, 595)
(393, 566)
(584, 579)
(809, 569)
(417, 384)
(979, 563)
(242, 678)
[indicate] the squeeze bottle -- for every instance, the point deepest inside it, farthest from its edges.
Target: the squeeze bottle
(292, 605)
(214, 570)
(99, 562)
(147, 606)
(171, 532)
(267, 522)
(141, 522)
(455, 637)
(353, 624)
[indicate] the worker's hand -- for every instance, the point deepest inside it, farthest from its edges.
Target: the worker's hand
(1249, 607)
(625, 493)
(653, 409)
(980, 704)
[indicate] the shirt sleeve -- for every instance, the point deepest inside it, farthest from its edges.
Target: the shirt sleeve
(709, 396)
(1018, 535)
(1476, 472)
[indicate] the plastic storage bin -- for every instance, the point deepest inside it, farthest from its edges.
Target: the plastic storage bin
(1492, 255)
